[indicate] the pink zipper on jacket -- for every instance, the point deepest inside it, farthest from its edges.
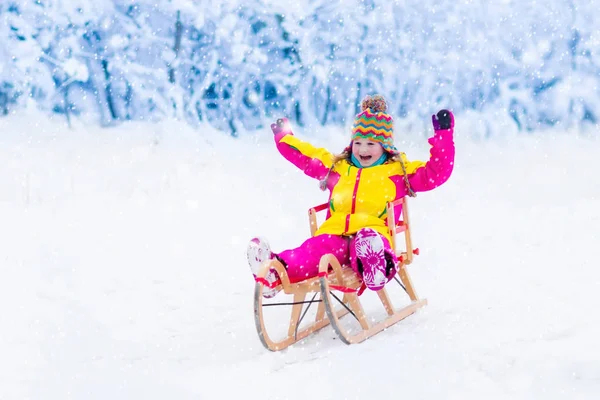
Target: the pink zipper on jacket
(353, 209)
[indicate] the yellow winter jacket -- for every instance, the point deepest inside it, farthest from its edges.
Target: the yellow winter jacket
(359, 196)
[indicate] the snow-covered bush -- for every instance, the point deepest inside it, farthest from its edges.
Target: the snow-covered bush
(239, 64)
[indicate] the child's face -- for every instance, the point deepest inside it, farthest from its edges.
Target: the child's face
(366, 151)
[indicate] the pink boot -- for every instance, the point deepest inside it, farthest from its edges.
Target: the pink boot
(368, 254)
(258, 252)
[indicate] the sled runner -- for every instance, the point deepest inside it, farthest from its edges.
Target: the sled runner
(335, 281)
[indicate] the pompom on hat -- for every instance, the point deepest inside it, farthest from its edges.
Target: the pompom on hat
(373, 123)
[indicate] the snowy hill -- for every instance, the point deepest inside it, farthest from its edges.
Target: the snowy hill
(124, 273)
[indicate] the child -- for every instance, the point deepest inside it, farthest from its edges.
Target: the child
(368, 174)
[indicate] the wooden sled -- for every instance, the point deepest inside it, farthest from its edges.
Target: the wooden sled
(334, 278)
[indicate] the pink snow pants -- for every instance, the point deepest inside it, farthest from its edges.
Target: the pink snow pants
(303, 262)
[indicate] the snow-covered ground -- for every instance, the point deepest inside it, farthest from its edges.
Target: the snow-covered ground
(123, 273)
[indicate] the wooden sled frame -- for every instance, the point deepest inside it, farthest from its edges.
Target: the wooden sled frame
(333, 277)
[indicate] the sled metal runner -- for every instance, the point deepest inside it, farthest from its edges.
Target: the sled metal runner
(333, 278)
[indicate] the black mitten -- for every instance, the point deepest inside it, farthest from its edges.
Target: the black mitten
(445, 119)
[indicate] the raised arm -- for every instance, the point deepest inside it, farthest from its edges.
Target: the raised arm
(441, 161)
(424, 176)
(314, 162)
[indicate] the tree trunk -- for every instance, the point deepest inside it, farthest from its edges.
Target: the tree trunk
(109, 100)
(176, 46)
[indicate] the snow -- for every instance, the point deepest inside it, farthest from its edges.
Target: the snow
(535, 63)
(76, 70)
(124, 274)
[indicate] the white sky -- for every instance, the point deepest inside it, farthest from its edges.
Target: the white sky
(124, 274)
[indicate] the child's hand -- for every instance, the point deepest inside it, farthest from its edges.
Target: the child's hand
(281, 126)
(444, 119)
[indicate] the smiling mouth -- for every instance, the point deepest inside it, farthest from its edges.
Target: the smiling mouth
(365, 158)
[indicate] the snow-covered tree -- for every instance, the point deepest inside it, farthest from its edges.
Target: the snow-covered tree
(237, 65)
